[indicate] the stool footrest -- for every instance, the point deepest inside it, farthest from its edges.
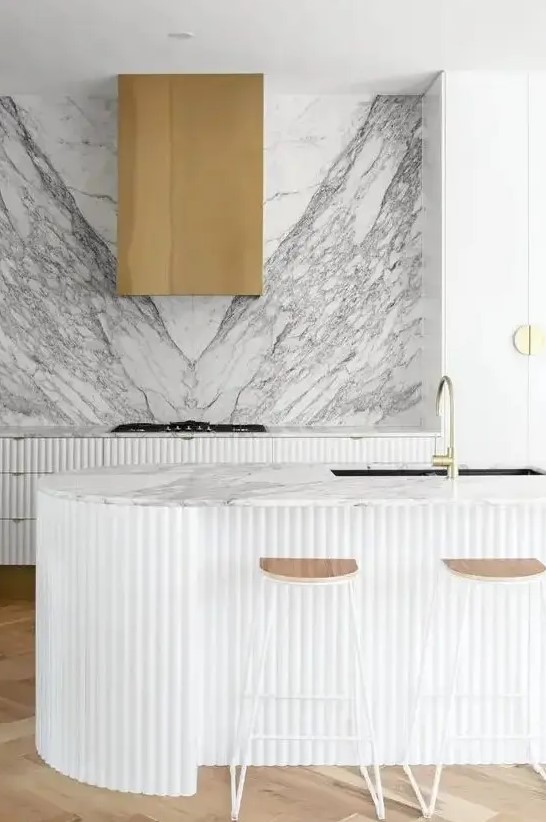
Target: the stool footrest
(275, 738)
(476, 696)
(491, 738)
(337, 697)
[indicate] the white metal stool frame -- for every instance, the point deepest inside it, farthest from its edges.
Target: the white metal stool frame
(537, 581)
(244, 744)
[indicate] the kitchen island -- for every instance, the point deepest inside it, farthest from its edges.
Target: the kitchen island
(148, 587)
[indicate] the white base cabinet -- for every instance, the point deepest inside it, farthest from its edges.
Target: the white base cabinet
(24, 459)
(126, 639)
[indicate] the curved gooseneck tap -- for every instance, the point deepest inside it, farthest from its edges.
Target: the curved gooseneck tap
(448, 459)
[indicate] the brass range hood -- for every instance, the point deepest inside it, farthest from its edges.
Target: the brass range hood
(190, 184)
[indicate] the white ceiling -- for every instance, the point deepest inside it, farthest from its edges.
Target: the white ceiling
(334, 45)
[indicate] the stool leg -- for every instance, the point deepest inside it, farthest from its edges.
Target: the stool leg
(237, 789)
(537, 767)
(418, 696)
(247, 685)
(376, 791)
(449, 711)
(428, 810)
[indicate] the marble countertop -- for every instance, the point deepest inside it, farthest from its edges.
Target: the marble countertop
(272, 431)
(260, 484)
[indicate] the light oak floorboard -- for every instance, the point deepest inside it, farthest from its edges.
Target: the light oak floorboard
(32, 792)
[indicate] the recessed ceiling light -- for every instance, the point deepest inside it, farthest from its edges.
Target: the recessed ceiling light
(181, 35)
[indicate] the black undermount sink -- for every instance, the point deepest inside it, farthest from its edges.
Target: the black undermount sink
(435, 472)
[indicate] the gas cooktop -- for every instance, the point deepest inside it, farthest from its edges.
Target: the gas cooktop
(187, 425)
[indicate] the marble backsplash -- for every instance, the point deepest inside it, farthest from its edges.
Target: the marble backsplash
(336, 338)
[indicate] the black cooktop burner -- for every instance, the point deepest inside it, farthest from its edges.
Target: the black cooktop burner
(188, 425)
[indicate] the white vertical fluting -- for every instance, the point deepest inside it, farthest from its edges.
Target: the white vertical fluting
(354, 449)
(398, 548)
(141, 450)
(145, 613)
(40, 455)
(24, 459)
(118, 645)
(46, 454)
(17, 541)
(18, 495)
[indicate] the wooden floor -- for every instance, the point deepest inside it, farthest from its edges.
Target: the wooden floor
(32, 792)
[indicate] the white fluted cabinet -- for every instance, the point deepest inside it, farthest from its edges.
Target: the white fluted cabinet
(148, 588)
(24, 459)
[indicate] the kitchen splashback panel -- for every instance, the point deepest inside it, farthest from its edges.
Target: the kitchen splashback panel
(336, 338)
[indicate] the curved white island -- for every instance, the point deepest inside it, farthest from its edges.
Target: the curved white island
(147, 587)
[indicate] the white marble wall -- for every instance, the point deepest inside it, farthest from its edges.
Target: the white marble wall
(336, 338)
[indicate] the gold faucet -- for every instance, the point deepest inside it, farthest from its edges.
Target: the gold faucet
(448, 459)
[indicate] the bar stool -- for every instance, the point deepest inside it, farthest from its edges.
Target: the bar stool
(303, 572)
(472, 573)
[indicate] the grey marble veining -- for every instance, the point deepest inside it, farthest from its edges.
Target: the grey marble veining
(336, 338)
(280, 485)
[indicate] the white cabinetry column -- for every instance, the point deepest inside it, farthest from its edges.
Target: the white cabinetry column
(537, 262)
(486, 203)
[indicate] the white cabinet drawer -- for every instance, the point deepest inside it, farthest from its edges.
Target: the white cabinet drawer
(18, 495)
(41, 455)
(17, 541)
(141, 450)
(362, 450)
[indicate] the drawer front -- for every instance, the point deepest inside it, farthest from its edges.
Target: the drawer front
(139, 451)
(17, 541)
(18, 495)
(352, 449)
(42, 455)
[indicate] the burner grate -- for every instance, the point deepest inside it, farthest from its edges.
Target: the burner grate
(188, 425)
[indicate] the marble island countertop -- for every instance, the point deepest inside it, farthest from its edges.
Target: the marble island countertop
(356, 432)
(286, 485)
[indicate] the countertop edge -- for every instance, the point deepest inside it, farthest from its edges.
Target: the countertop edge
(279, 485)
(281, 502)
(271, 433)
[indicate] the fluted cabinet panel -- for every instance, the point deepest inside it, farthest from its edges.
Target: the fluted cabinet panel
(354, 449)
(17, 541)
(23, 459)
(118, 691)
(145, 614)
(39, 455)
(140, 450)
(17, 495)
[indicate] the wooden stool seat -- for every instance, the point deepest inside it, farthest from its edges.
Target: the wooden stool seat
(495, 570)
(308, 570)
